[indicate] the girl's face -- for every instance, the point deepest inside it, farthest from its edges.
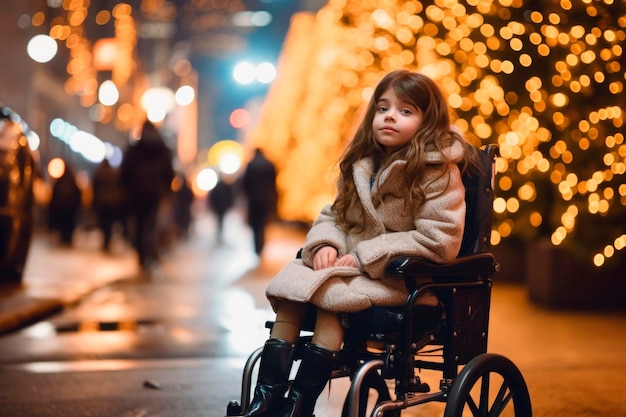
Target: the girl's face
(395, 121)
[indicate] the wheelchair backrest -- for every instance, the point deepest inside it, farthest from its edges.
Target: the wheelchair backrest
(478, 180)
(467, 309)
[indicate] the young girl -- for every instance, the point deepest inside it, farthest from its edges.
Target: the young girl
(399, 193)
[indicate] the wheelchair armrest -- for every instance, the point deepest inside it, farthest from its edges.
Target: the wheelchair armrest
(465, 266)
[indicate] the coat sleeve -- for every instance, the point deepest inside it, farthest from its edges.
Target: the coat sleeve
(325, 231)
(438, 229)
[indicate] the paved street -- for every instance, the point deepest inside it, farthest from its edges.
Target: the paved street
(572, 361)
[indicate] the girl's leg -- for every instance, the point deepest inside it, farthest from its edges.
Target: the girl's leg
(289, 319)
(328, 331)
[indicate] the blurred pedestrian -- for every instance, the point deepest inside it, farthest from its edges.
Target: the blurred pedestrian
(220, 200)
(65, 205)
(181, 206)
(108, 200)
(259, 187)
(146, 174)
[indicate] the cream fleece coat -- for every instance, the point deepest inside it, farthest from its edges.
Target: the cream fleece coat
(434, 234)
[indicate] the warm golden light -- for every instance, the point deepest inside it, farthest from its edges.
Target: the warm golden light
(56, 168)
(105, 54)
(547, 90)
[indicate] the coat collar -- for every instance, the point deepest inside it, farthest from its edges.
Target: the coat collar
(362, 174)
(363, 171)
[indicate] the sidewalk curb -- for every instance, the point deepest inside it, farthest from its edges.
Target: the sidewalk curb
(56, 277)
(21, 310)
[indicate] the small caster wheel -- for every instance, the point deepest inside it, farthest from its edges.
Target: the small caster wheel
(233, 409)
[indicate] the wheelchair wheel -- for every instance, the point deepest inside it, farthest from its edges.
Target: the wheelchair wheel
(489, 385)
(373, 382)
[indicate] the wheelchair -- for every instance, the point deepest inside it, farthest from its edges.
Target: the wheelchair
(389, 346)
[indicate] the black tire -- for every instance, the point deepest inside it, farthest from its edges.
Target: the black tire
(489, 385)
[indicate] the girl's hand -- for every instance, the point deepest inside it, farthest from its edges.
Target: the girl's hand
(325, 257)
(347, 260)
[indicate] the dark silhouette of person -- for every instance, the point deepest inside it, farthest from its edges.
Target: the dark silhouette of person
(146, 174)
(108, 200)
(220, 200)
(181, 207)
(259, 188)
(65, 205)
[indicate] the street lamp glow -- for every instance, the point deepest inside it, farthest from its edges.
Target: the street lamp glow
(207, 179)
(265, 73)
(42, 48)
(251, 19)
(261, 18)
(88, 145)
(156, 114)
(244, 73)
(185, 95)
(33, 140)
(157, 102)
(62, 130)
(108, 93)
(230, 163)
(56, 168)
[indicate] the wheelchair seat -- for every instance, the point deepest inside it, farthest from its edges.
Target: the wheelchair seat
(387, 343)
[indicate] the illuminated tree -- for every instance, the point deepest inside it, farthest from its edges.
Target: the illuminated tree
(543, 80)
(561, 68)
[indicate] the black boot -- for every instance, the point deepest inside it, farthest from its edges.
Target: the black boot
(271, 386)
(314, 372)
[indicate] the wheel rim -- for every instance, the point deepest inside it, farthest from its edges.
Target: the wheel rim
(489, 386)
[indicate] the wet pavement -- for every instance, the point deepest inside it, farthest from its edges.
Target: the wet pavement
(58, 276)
(572, 360)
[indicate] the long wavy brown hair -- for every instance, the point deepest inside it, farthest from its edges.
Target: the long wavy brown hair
(434, 133)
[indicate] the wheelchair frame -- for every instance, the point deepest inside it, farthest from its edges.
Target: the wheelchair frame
(464, 289)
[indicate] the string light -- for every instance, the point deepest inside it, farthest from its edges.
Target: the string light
(82, 76)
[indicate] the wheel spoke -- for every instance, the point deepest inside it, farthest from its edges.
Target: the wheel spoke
(501, 400)
(472, 406)
(484, 395)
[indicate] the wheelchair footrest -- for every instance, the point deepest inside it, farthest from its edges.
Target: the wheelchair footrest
(418, 386)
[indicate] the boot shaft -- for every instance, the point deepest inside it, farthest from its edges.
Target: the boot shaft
(276, 361)
(314, 372)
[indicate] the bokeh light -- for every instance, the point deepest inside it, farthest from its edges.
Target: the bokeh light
(157, 103)
(108, 94)
(185, 95)
(56, 167)
(239, 118)
(246, 73)
(226, 153)
(207, 179)
(42, 48)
